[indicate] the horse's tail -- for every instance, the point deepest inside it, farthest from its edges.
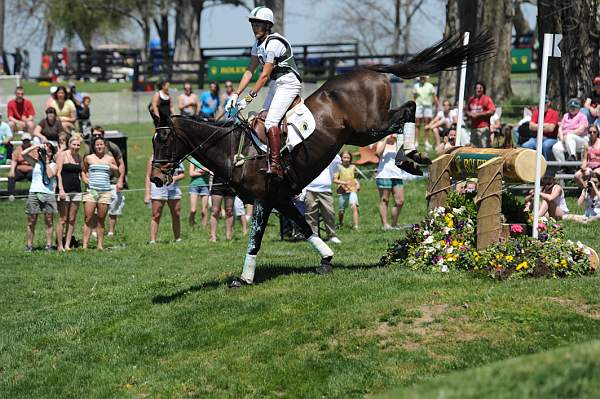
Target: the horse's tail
(447, 54)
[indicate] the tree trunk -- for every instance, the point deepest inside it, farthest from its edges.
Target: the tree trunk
(496, 17)
(187, 30)
(278, 12)
(572, 74)
(519, 21)
(161, 23)
(396, 43)
(448, 86)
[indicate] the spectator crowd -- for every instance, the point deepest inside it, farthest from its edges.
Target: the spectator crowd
(68, 162)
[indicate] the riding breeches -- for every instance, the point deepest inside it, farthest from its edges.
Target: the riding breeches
(281, 94)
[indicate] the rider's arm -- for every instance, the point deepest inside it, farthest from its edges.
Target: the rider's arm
(247, 77)
(263, 78)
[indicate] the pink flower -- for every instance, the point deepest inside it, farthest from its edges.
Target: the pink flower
(541, 226)
(516, 229)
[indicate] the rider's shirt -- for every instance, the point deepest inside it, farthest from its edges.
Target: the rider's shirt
(275, 49)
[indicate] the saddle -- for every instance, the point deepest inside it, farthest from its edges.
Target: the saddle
(257, 123)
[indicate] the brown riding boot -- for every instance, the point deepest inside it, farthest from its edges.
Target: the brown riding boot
(274, 136)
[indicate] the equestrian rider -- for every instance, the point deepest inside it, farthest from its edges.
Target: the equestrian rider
(275, 55)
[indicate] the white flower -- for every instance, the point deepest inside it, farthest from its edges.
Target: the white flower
(444, 268)
(426, 233)
(449, 249)
(440, 210)
(458, 211)
(447, 230)
(428, 240)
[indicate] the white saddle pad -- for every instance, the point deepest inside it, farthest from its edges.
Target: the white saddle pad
(301, 124)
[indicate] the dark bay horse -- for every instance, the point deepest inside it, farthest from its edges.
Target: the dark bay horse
(349, 109)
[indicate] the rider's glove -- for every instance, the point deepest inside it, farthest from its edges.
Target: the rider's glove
(231, 102)
(241, 104)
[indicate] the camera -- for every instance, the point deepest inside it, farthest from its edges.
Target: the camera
(42, 152)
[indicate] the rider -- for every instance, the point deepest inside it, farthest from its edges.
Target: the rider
(274, 53)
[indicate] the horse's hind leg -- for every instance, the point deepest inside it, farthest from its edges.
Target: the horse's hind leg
(260, 217)
(289, 210)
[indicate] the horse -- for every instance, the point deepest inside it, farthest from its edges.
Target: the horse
(352, 108)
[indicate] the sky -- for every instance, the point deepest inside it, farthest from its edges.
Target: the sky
(306, 21)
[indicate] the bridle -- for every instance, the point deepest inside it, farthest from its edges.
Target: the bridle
(205, 144)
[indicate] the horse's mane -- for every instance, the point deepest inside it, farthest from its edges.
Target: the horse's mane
(224, 123)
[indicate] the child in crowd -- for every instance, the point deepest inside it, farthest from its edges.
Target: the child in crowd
(348, 186)
(552, 200)
(589, 199)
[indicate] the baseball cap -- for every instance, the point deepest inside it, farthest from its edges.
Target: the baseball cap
(25, 136)
(597, 80)
(574, 103)
(53, 89)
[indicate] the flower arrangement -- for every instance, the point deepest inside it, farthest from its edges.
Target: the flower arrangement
(446, 240)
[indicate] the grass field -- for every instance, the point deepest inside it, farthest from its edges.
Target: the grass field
(158, 321)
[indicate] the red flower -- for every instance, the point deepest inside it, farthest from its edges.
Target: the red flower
(516, 229)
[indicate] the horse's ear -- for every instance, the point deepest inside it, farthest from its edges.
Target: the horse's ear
(155, 118)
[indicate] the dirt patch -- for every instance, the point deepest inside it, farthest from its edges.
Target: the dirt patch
(580, 308)
(428, 315)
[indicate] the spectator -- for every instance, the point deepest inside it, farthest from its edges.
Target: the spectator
(425, 98)
(239, 209)
(550, 130)
(225, 97)
(552, 199)
(75, 96)
(210, 101)
(49, 128)
(348, 187)
(160, 107)
(5, 145)
(572, 133)
(158, 196)
(20, 112)
(41, 197)
(449, 140)
(199, 187)
(319, 200)
(389, 181)
(221, 192)
(68, 172)
(63, 141)
(96, 171)
(117, 181)
(83, 116)
(65, 109)
(52, 97)
(591, 105)
(480, 109)
(188, 101)
(590, 164)
(589, 199)
(443, 120)
(20, 169)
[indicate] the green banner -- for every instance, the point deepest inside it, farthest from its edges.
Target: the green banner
(521, 59)
(468, 164)
(231, 69)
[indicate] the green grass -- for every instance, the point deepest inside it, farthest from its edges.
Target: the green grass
(136, 321)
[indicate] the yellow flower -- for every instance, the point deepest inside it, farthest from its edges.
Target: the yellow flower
(563, 263)
(449, 216)
(509, 258)
(455, 243)
(522, 265)
(498, 256)
(450, 223)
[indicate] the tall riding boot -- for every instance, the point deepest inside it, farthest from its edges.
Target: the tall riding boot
(274, 136)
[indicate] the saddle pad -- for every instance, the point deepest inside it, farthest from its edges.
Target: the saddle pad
(301, 124)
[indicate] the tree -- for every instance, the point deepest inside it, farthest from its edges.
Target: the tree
(475, 16)
(373, 26)
(579, 23)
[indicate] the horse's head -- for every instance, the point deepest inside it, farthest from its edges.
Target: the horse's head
(164, 144)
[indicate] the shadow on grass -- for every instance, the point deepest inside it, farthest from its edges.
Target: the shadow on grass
(263, 274)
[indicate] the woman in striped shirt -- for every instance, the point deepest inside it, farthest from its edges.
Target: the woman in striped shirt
(96, 173)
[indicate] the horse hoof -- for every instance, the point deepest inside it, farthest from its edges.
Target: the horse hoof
(410, 167)
(238, 283)
(418, 158)
(325, 267)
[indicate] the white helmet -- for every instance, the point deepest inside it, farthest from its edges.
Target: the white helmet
(261, 14)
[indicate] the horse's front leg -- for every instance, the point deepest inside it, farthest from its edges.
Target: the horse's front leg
(390, 122)
(258, 224)
(289, 210)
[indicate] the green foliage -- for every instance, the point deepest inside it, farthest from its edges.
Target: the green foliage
(513, 108)
(86, 19)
